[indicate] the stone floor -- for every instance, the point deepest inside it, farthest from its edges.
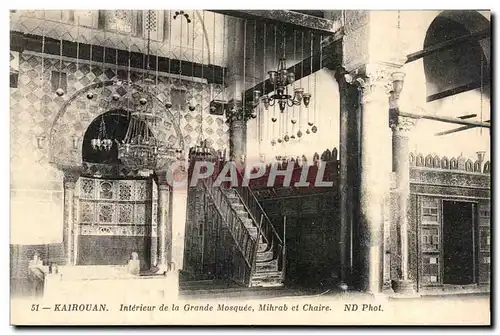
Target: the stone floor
(213, 290)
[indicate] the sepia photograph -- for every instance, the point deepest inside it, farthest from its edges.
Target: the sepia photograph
(250, 167)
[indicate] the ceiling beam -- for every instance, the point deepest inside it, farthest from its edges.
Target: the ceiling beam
(456, 130)
(447, 119)
(448, 44)
(460, 89)
(21, 42)
(468, 116)
(288, 17)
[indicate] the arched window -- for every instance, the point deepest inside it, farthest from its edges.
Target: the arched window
(462, 66)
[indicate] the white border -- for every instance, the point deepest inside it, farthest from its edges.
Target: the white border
(187, 4)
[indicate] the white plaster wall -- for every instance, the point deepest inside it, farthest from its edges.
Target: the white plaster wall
(325, 100)
(414, 25)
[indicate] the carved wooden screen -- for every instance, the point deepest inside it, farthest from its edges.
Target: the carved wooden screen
(431, 240)
(430, 236)
(115, 207)
(484, 241)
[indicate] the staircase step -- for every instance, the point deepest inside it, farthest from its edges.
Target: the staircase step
(266, 275)
(252, 231)
(231, 193)
(264, 256)
(262, 247)
(248, 222)
(238, 206)
(242, 215)
(266, 266)
(267, 279)
(267, 283)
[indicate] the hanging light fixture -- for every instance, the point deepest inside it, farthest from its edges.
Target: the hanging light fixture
(281, 79)
(140, 150)
(90, 94)
(60, 90)
(145, 110)
(102, 142)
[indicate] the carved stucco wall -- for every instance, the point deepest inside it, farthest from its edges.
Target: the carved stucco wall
(29, 98)
(201, 39)
(31, 119)
(36, 186)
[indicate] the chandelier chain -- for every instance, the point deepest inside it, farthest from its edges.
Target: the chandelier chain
(202, 76)
(213, 47)
(244, 64)
(42, 105)
(223, 54)
(192, 63)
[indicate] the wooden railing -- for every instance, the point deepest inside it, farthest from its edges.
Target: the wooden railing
(240, 268)
(266, 229)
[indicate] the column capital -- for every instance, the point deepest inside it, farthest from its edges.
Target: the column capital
(164, 187)
(374, 80)
(70, 178)
(162, 180)
(235, 111)
(401, 125)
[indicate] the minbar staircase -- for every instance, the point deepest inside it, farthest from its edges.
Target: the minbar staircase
(261, 253)
(267, 271)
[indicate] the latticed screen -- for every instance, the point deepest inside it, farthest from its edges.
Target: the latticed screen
(430, 269)
(430, 240)
(484, 242)
(430, 208)
(115, 207)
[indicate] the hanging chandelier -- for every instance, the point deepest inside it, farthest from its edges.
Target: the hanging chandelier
(140, 150)
(281, 79)
(102, 142)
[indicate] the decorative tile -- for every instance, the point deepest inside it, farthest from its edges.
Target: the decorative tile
(35, 107)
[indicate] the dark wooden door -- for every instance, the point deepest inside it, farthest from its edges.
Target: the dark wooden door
(458, 243)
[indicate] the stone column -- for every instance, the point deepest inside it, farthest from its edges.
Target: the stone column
(70, 179)
(154, 223)
(401, 127)
(238, 117)
(349, 97)
(374, 82)
(164, 221)
(237, 83)
(372, 63)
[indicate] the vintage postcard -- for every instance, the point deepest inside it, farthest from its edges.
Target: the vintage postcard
(250, 167)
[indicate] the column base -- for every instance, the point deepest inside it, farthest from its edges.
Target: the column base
(404, 287)
(387, 287)
(342, 287)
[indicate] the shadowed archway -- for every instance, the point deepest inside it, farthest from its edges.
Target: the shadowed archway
(462, 65)
(116, 124)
